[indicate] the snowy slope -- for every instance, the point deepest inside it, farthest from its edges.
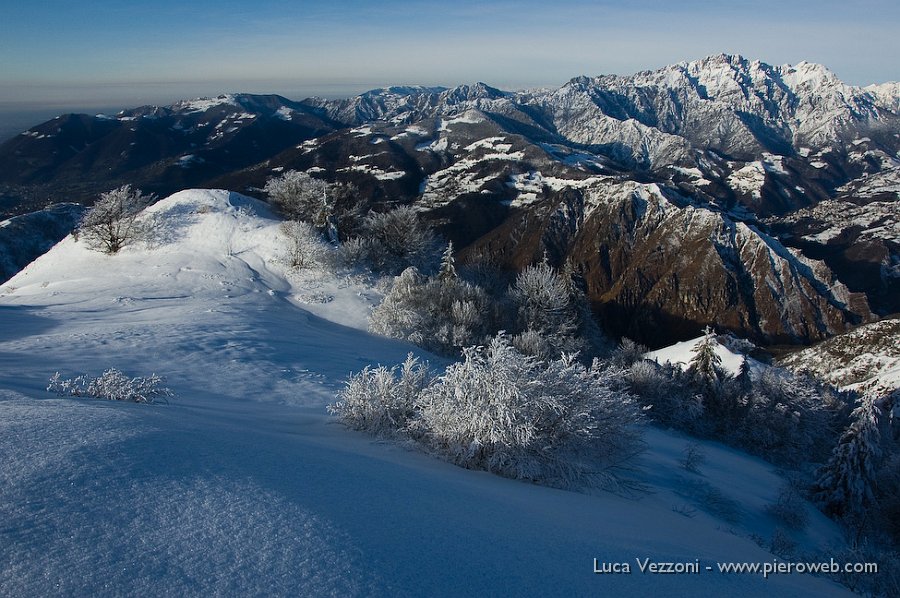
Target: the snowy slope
(243, 485)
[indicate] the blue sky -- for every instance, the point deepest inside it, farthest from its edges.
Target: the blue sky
(62, 53)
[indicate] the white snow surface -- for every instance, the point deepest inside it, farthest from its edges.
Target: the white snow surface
(243, 485)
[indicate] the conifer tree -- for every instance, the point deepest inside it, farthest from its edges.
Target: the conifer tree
(846, 484)
(448, 264)
(706, 365)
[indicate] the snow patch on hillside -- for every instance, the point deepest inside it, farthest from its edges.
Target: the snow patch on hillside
(680, 354)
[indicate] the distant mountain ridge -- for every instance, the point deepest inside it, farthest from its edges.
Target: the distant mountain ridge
(732, 157)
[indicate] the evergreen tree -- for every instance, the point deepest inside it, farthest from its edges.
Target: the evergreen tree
(846, 484)
(743, 378)
(448, 264)
(706, 365)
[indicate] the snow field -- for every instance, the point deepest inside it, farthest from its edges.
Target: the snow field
(244, 485)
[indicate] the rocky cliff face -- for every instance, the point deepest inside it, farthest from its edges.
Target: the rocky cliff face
(656, 267)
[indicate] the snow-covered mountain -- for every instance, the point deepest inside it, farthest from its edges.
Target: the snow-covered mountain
(737, 148)
(243, 485)
(730, 104)
(866, 359)
(160, 149)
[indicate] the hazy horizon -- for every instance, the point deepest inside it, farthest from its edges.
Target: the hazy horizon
(56, 56)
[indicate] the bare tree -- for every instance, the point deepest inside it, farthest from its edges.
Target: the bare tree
(112, 222)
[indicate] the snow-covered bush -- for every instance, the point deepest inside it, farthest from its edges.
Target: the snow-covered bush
(351, 255)
(113, 385)
(112, 222)
(439, 314)
(398, 239)
(628, 353)
(304, 244)
(381, 400)
(546, 310)
(665, 391)
(711, 499)
(299, 196)
(556, 423)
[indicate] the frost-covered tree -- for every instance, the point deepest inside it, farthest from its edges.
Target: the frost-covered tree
(299, 197)
(398, 239)
(547, 314)
(442, 315)
(112, 222)
(333, 208)
(846, 484)
(304, 244)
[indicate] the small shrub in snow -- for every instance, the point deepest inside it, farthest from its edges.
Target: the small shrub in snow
(789, 508)
(113, 385)
(712, 500)
(381, 400)
(692, 457)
